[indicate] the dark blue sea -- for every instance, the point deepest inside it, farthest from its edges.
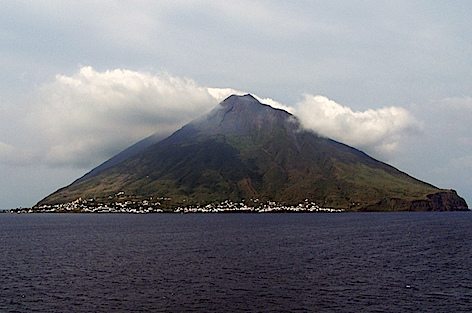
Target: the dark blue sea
(364, 262)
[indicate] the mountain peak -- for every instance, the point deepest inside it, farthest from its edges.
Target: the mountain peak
(248, 104)
(244, 149)
(243, 114)
(237, 100)
(247, 97)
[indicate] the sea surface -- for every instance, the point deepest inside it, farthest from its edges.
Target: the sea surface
(348, 262)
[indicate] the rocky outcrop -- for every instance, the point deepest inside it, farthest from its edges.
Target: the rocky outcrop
(447, 200)
(443, 200)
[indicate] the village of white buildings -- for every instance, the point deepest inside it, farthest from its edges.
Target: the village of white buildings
(159, 206)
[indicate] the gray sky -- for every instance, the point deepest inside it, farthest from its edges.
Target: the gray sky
(81, 80)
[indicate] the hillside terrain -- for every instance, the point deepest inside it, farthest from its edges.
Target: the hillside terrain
(243, 150)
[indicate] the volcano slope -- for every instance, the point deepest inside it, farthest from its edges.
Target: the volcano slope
(244, 149)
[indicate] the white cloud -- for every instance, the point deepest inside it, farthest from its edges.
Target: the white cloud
(84, 118)
(222, 93)
(378, 131)
(87, 116)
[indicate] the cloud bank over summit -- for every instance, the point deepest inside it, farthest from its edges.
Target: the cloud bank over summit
(379, 131)
(90, 115)
(84, 118)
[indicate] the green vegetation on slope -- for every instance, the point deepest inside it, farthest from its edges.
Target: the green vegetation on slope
(246, 150)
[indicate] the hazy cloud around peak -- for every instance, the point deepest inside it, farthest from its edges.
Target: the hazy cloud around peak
(82, 119)
(89, 115)
(378, 131)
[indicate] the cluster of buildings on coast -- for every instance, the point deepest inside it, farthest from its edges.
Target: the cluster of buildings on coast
(93, 206)
(150, 206)
(229, 206)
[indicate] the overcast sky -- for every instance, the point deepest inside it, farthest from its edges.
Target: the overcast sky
(82, 80)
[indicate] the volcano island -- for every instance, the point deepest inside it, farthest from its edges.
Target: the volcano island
(247, 156)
